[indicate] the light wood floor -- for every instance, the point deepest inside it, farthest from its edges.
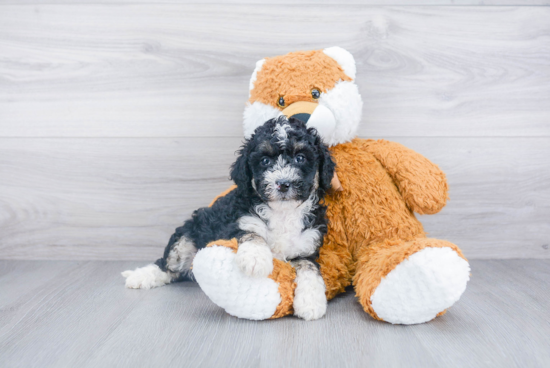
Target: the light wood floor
(78, 314)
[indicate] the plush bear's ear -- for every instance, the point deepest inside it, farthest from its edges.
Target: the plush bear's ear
(259, 65)
(240, 171)
(344, 58)
(326, 164)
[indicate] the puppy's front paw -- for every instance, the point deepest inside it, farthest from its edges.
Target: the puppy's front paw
(310, 301)
(254, 259)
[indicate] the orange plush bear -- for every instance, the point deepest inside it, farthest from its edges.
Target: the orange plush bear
(374, 240)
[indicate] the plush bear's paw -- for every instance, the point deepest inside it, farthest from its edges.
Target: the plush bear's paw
(422, 286)
(310, 301)
(254, 260)
(146, 277)
(218, 275)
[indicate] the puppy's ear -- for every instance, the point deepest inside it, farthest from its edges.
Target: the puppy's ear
(240, 172)
(326, 164)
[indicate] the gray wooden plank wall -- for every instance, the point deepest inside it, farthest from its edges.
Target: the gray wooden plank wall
(117, 120)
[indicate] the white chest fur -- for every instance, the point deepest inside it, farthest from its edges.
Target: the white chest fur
(281, 225)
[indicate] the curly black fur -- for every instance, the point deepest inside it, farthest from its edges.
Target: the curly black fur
(260, 155)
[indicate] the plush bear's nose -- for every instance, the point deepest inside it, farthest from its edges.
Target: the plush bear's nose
(300, 110)
(303, 117)
(283, 186)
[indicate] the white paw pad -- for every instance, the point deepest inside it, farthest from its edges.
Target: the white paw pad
(146, 277)
(420, 287)
(218, 275)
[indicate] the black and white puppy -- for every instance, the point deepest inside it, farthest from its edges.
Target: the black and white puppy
(282, 174)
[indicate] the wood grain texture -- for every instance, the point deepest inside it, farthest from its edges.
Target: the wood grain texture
(182, 69)
(121, 196)
(136, 110)
(300, 2)
(102, 199)
(78, 314)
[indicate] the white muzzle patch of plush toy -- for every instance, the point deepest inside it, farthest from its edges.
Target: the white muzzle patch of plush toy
(345, 104)
(323, 120)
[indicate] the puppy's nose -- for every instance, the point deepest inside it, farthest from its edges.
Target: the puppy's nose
(283, 186)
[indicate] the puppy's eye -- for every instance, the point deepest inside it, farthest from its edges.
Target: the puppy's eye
(265, 161)
(300, 158)
(281, 102)
(315, 93)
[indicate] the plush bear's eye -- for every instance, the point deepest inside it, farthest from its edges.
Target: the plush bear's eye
(300, 158)
(265, 161)
(315, 93)
(281, 101)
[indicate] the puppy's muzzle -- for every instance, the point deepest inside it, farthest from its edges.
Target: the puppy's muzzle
(283, 186)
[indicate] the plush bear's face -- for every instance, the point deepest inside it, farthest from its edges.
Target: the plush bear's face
(316, 87)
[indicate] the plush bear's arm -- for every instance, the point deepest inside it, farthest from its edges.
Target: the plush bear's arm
(335, 262)
(335, 259)
(422, 184)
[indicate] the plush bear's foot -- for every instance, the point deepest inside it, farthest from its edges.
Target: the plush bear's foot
(429, 278)
(421, 287)
(216, 270)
